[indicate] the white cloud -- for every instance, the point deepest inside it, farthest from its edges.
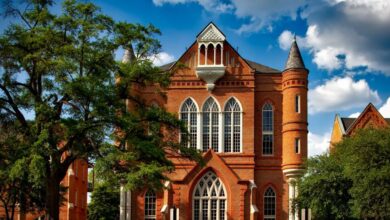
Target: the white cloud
(285, 39)
(385, 109)
(358, 30)
(318, 144)
(263, 12)
(162, 58)
(209, 5)
(338, 94)
(354, 115)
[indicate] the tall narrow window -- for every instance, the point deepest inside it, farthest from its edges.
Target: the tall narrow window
(150, 205)
(269, 204)
(188, 114)
(209, 198)
(298, 104)
(210, 125)
(232, 123)
(297, 145)
(268, 129)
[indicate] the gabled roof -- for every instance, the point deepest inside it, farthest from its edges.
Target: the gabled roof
(211, 27)
(350, 123)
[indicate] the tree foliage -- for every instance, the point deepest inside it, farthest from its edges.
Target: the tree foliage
(351, 182)
(64, 92)
(104, 202)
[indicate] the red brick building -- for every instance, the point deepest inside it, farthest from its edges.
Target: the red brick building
(75, 206)
(250, 121)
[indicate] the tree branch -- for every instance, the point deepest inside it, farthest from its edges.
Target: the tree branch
(19, 115)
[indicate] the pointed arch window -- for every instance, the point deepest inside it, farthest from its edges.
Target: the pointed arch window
(209, 198)
(210, 119)
(269, 204)
(232, 126)
(150, 205)
(189, 115)
(268, 129)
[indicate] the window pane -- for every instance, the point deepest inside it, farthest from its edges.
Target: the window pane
(269, 204)
(268, 144)
(232, 123)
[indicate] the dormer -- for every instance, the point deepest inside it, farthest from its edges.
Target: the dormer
(210, 55)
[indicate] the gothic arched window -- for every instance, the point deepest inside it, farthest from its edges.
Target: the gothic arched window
(268, 129)
(150, 205)
(232, 124)
(269, 204)
(209, 198)
(210, 129)
(189, 115)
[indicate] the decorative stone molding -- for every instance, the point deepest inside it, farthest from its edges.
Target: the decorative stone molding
(211, 33)
(210, 74)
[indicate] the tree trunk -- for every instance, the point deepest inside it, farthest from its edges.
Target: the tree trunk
(52, 199)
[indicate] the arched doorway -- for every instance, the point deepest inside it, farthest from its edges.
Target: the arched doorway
(209, 198)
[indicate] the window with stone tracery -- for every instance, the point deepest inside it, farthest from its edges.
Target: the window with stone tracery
(269, 204)
(189, 115)
(210, 131)
(150, 205)
(209, 198)
(232, 126)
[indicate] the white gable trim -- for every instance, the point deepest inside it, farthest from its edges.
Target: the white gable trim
(211, 34)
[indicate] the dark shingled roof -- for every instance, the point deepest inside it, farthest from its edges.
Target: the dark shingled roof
(347, 122)
(294, 60)
(259, 68)
(167, 66)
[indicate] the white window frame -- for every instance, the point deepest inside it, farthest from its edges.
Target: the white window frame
(232, 124)
(210, 125)
(269, 217)
(267, 132)
(188, 122)
(149, 209)
(203, 186)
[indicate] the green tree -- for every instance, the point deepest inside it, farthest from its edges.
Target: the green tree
(325, 189)
(104, 202)
(366, 160)
(62, 88)
(351, 182)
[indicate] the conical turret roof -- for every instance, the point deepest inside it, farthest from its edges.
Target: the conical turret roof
(294, 60)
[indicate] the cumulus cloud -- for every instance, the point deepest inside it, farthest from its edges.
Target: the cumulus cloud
(338, 94)
(162, 58)
(318, 144)
(350, 34)
(354, 115)
(285, 40)
(209, 5)
(385, 109)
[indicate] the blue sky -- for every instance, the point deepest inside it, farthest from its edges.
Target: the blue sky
(345, 44)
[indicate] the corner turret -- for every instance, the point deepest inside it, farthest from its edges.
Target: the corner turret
(294, 127)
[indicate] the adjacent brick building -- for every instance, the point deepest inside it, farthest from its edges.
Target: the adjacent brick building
(346, 126)
(75, 204)
(250, 121)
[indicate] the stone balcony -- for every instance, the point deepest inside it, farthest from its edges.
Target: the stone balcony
(210, 74)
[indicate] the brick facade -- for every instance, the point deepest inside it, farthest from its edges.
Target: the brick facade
(246, 175)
